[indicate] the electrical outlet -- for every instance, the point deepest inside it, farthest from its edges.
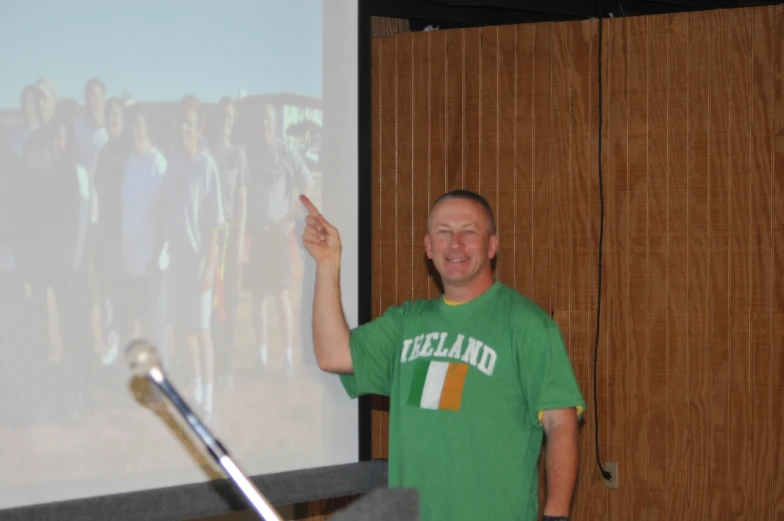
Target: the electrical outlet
(612, 468)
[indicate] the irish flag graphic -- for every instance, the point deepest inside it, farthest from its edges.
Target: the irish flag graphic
(437, 385)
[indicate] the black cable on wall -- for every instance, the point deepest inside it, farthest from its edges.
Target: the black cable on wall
(605, 474)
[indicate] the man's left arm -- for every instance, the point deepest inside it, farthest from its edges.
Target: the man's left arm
(555, 405)
(561, 460)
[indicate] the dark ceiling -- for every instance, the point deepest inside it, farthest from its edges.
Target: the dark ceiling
(447, 14)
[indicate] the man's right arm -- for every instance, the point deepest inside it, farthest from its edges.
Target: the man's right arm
(365, 356)
(331, 333)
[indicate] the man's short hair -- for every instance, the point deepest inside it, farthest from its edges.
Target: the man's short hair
(471, 196)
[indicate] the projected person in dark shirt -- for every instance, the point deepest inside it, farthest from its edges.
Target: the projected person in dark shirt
(277, 176)
(233, 173)
(192, 213)
(107, 185)
(65, 205)
(34, 162)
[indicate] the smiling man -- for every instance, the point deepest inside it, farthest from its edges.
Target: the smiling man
(476, 378)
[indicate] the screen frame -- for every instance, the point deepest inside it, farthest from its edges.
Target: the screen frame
(364, 198)
(177, 496)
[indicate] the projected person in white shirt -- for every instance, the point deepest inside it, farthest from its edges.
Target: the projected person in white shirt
(140, 192)
(277, 176)
(192, 211)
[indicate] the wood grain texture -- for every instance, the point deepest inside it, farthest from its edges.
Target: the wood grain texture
(690, 368)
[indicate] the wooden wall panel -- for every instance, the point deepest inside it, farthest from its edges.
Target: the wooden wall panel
(636, 454)
(678, 347)
(506, 131)
(584, 116)
(761, 268)
(719, 161)
(455, 109)
(777, 356)
(403, 216)
(437, 78)
(699, 45)
(524, 161)
(657, 269)
(690, 369)
(616, 246)
(739, 177)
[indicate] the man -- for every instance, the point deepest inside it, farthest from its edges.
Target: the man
(476, 378)
(232, 164)
(277, 174)
(192, 212)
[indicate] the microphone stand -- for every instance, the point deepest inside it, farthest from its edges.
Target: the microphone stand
(219, 454)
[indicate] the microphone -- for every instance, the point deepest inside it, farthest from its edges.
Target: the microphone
(144, 362)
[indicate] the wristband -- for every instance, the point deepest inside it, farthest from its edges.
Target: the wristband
(555, 518)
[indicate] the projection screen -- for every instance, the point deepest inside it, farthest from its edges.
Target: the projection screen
(151, 158)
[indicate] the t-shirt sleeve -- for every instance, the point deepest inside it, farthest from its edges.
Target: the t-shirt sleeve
(547, 375)
(373, 351)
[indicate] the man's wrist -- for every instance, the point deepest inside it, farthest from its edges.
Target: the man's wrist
(329, 267)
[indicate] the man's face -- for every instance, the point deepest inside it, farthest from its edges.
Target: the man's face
(459, 241)
(95, 101)
(190, 130)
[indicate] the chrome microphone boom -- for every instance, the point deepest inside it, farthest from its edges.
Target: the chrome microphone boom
(144, 362)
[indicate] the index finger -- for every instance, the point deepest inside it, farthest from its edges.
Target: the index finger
(309, 205)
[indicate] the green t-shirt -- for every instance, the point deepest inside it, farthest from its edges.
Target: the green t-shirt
(467, 384)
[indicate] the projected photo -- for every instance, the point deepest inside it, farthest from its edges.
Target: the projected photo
(149, 184)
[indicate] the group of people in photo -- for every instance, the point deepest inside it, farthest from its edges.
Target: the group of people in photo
(124, 218)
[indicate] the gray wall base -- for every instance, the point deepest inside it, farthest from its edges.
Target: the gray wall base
(216, 497)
